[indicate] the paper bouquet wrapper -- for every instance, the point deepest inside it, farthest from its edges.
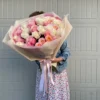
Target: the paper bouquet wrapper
(47, 51)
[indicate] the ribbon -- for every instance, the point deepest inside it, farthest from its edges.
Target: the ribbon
(46, 75)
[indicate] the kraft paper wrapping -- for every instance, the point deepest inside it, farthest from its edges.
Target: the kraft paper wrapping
(47, 51)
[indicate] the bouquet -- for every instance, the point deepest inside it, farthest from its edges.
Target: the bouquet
(39, 37)
(36, 31)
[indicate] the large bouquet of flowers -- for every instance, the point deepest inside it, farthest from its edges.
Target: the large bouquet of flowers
(39, 37)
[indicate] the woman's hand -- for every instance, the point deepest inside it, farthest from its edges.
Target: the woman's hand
(55, 60)
(41, 60)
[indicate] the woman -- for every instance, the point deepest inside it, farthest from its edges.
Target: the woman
(60, 89)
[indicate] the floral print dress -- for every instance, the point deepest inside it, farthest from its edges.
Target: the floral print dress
(58, 91)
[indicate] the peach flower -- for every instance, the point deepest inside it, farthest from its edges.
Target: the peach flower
(42, 40)
(38, 44)
(48, 38)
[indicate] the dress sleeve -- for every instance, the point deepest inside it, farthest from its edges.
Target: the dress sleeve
(65, 52)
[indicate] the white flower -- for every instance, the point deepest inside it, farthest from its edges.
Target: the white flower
(35, 35)
(24, 35)
(19, 43)
(47, 18)
(49, 27)
(53, 32)
(25, 28)
(41, 29)
(57, 22)
(39, 20)
(24, 25)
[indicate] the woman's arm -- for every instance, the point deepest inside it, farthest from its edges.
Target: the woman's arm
(55, 60)
(64, 54)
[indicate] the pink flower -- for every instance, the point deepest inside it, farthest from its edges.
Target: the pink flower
(29, 44)
(58, 18)
(30, 41)
(18, 39)
(38, 44)
(15, 34)
(33, 28)
(42, 40)
(17, 31)
(31, 23)
(48, 14)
